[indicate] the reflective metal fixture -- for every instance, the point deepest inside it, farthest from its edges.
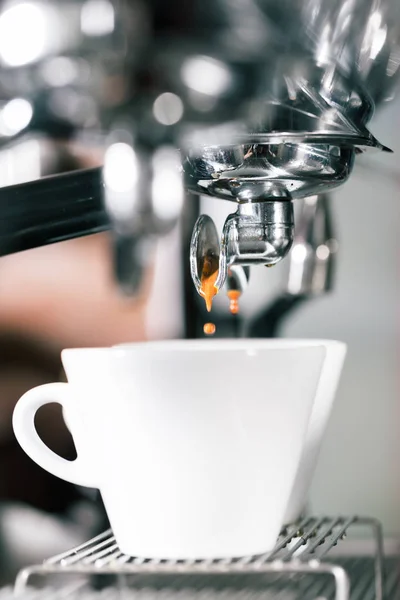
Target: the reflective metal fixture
(313, 257)
(259, 233)
(256, 102)
(311, 266)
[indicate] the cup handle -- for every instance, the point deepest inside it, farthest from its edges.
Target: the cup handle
(76, 471)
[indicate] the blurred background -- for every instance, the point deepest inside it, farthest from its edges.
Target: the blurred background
(64, 295)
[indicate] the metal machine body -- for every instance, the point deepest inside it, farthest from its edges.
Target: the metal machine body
(255, 102)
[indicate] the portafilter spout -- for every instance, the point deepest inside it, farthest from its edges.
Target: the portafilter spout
(258, 233)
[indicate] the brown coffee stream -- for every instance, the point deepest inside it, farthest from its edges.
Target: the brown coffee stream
(234, 296)
(208, 289)
(209, 275)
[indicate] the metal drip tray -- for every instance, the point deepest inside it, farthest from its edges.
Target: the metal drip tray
(240, 587)
(302, 558)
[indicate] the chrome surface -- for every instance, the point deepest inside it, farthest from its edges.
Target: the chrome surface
(313, 256)
(204, 245)
(265, 100)
(275, 170)
(258, 233)
(310, 266)
(237, 278)
(143, 194)
(302, 549)
(233, 586)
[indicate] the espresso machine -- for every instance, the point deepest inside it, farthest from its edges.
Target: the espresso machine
(262, 105)
(259, 104)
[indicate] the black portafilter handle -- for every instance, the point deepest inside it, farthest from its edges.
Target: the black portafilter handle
(52, 209)
(67, 206)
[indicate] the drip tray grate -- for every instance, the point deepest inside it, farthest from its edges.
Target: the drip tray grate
(305, 548)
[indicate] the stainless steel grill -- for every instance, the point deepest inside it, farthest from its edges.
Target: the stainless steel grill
(303, 559)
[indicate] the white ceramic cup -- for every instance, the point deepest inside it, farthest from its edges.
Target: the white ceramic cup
(186, 440)
(321, 411)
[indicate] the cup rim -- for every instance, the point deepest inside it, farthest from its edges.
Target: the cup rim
(210, 345)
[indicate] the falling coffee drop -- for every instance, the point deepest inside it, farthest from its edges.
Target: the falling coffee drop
(209, 328)
(209, 275)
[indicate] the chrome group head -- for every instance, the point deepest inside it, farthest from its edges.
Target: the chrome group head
(254, 101)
